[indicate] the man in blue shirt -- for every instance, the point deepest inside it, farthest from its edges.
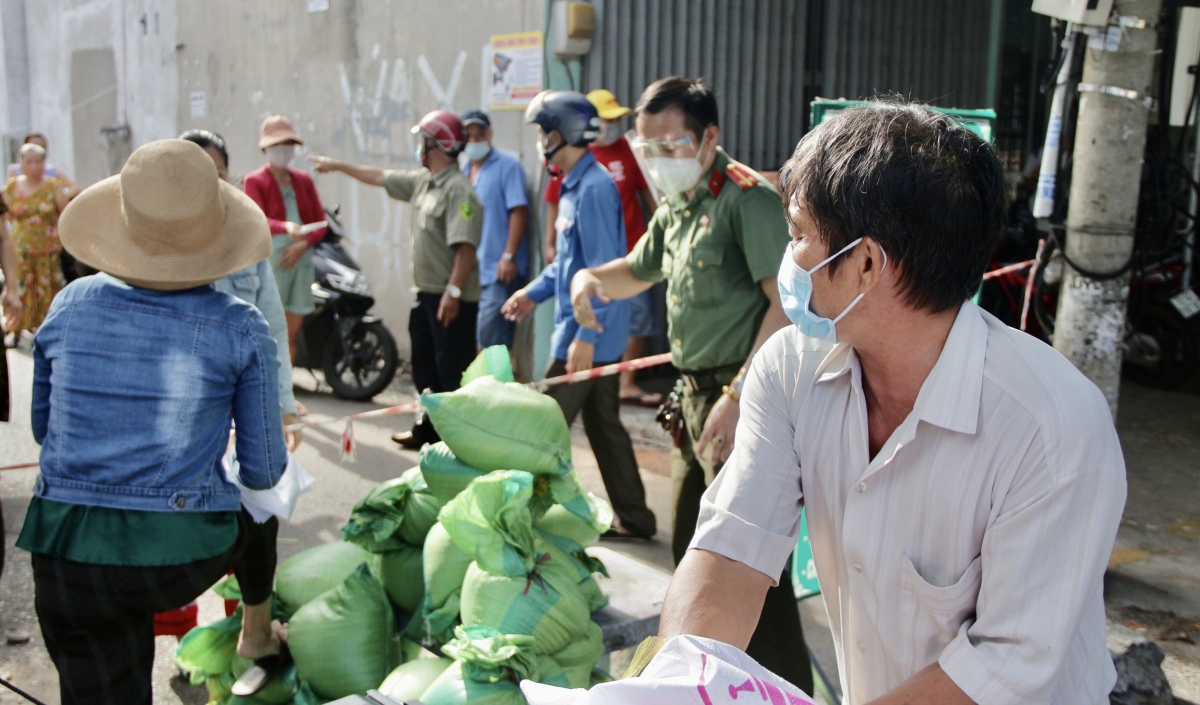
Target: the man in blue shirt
(499, 182)
(590, 230)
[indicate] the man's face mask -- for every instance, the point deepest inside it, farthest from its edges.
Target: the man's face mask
(674, 164)
(795, 293)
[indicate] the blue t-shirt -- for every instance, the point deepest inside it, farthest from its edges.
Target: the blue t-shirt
(501, 186)
(591, 232)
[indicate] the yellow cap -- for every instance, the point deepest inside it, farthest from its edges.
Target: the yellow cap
(607, 105)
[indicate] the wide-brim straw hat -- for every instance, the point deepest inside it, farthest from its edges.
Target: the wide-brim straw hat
(167, 221)
(277, 129)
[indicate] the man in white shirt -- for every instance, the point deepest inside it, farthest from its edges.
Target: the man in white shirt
(963, 481)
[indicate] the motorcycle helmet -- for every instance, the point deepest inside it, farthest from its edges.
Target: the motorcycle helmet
(569, 112)
(445, 129)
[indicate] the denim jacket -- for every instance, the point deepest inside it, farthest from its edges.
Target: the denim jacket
(133, 392)
(256, 284)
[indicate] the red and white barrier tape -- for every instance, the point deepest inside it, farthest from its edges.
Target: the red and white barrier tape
(349, 449)
(1009, 269)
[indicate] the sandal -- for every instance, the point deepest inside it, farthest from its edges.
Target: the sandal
(262, 673)
(651, 400)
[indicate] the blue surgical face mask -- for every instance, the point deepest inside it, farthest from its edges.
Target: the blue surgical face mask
(795, 293)
(476, 151)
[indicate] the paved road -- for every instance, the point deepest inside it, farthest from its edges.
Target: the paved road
(1158, 432)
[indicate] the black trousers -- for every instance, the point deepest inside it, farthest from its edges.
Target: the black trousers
(600, 402)
(778, 641)
(98, 620)
(440, 354)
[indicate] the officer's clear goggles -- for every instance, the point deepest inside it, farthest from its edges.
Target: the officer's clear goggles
(668, 147)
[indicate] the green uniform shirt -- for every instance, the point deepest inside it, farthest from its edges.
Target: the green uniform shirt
(714, 250)
(445, 212)
(125, 537)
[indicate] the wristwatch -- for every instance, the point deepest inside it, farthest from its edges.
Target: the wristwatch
(453, 291)
(508, 256)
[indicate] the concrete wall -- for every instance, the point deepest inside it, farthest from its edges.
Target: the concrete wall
(354, 79)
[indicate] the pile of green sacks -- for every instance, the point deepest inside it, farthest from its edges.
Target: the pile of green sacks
(478, 552)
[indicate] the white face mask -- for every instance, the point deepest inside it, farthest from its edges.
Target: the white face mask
(610, 132)
(673, 175)
(280, 155)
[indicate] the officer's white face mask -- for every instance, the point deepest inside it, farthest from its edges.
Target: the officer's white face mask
(676, 174)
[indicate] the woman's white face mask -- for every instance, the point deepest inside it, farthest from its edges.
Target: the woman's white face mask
(280, 155)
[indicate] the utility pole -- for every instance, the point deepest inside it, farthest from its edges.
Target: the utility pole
(1115, 102)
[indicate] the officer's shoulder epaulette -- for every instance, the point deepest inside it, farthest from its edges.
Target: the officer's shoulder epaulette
(741, 175)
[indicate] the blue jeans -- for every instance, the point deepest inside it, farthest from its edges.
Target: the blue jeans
(493, 328)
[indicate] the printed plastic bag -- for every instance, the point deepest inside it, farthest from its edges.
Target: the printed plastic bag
(492, 425)
(310, 573)
(341, 641)
(395, 513)
(687, 669)
(490, 520)
(445, 474)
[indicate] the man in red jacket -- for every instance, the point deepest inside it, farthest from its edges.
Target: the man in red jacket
(289, 199)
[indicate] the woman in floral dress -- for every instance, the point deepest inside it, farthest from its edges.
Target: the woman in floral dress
(34, 203)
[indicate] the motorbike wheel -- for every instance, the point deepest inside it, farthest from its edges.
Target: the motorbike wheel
(1163, 351)
(369, 367)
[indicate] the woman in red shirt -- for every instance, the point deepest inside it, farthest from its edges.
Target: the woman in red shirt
(289, 199)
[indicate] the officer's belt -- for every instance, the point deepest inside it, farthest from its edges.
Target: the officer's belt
(704, 380)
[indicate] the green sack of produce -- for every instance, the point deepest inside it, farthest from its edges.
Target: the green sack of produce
(579, 657)
(279, 691)
(445, 566)
(599, 675)
(410, 680)
(444, 473)
(453, 688)
(310, 573)
(228, 588)
(208, 651)
(341, 641)
(490, 520)
(583, 566)
(488, 667)
(492, 425)
(494, 361)
(545, 604)
(395, 513)
(566, 491)
(567, 530)
(220, 688)
(402, 577)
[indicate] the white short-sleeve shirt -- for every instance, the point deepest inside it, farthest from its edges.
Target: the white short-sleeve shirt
(977, 537)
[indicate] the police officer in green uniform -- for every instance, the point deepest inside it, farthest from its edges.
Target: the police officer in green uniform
(717, 238)
(447, 226)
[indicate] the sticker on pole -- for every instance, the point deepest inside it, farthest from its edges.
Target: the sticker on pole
(1186, 303)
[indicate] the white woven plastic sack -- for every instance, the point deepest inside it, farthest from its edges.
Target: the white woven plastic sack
(280, 500)
(688, 670)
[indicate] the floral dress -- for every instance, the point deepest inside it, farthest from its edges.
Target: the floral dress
(34, 226)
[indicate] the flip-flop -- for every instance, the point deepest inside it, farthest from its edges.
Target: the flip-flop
(651, 400)
(622, 535)
(261, 673)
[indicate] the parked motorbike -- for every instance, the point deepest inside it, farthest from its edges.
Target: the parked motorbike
(354, 350)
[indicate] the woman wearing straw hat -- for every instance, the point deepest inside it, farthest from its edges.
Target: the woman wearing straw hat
(138, 372)
(289, 198)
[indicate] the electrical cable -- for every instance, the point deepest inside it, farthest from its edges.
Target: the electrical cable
(20, 692)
